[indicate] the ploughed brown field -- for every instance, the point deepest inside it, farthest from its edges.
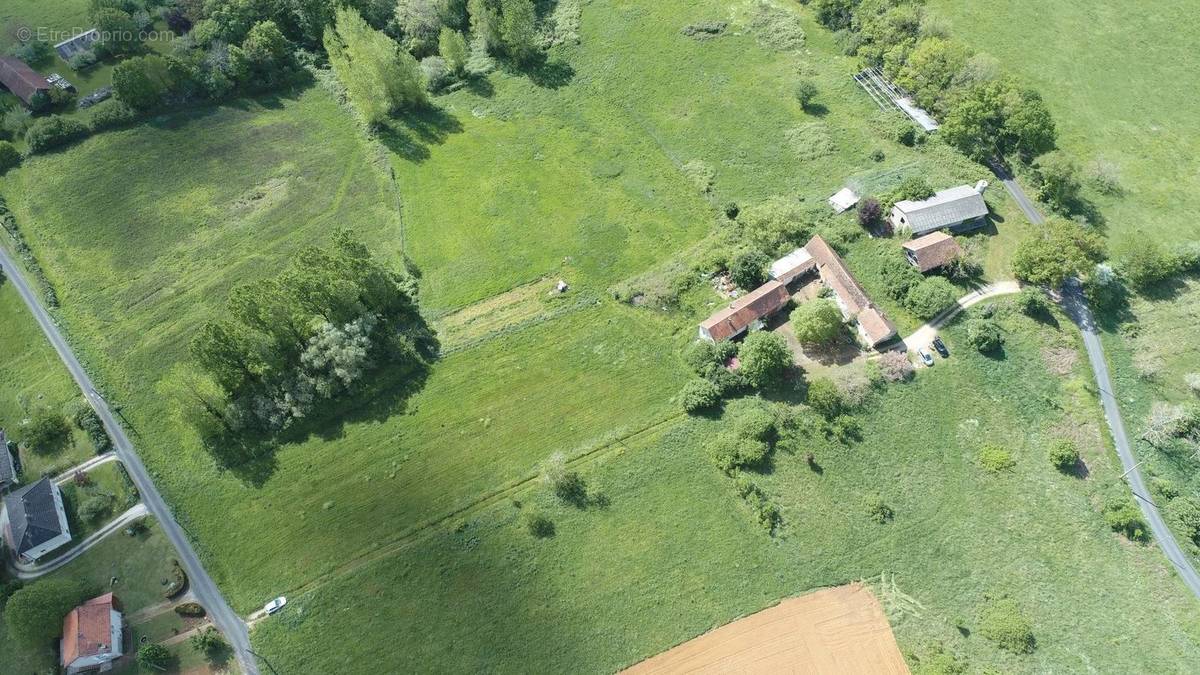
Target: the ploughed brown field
(838, 630)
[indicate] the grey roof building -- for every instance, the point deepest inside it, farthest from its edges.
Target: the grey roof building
(8, 471)
(956, 209)
(80, 43)
(35, 521)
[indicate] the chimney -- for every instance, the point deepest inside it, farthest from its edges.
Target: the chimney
(981, 186)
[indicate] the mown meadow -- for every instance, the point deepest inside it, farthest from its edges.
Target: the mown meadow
(405, 519)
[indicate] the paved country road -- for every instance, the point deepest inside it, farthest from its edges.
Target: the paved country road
(202, 585)
(1076, 307)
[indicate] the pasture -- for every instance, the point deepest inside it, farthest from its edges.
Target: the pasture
(1120, 78)
(403, 519)
(676, 553)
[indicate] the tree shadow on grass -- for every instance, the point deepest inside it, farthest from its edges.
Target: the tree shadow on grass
(252, 456)
(410, 135)
(542, 71)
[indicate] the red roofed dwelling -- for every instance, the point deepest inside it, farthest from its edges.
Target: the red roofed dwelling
(20, 79)
(92, 635)
(852, 298)
(931, 251)
(744, 312)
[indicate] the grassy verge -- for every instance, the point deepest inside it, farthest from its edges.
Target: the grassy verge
(31, 378)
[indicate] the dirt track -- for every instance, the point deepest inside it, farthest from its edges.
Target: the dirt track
(839, 630)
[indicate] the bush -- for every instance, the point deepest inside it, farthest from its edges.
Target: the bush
(904, 132)
(1063, 455)
(46, 432)
(699, 395)
(765, 511)
(153, 656)
(877, 510)
(111, 115)
(995, 458)
(436, 72)
(806, 92)
(984, 335)
(894, 366)
(82, 60)
(94, 508)
(1032, 302)
(1057, 181)
(9, 157)
(538, 524)
(190, 609)
(870, 212)
(1002, 622)
(1123, 516)
(817, 322)
(749, 270)
(914, 188)
(756, 424)
(928, 298)
(567, 485)
(825, 398)
(209, 641)
(176, 582)
(1148, 264)
(52, 132)
(730, 451)
(765, 357)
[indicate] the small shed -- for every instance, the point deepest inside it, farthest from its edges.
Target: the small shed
(843, 200)
(931, 251)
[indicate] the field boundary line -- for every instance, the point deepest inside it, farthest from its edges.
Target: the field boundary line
(480, 503)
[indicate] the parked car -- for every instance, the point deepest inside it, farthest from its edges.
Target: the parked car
(941, 348)
(926, 357)
(275, 605)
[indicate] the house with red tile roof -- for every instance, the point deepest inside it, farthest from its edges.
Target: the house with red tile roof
(92, 635)
(873, 325)
(742, 314)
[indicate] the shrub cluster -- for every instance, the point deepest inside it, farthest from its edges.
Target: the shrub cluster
(984, 335)
(924, 296)
(86, 419)
(877, 510)
(766, 512)
(1123, 516)
(746, 443)
(1002, 622)
(995, 458)
(1063, 455)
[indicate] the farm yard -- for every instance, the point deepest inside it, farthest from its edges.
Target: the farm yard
(665, 144)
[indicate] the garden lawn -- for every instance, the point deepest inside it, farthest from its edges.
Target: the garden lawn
(138, 563)
(1120, 78)
(31, 378)
(674, 552)
(107, 480)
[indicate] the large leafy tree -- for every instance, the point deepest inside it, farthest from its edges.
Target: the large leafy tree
(379, 77)
(518, 29)
(34, 614)
(1061, 250)
(765, 357)
(931, 69)
(818, 322)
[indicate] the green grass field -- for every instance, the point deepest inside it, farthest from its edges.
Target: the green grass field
(1120, 80)
(676, 552)
(139, 564)
(31, 378)
(401, 521)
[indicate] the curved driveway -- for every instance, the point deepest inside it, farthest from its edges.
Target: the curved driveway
(203, 586)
